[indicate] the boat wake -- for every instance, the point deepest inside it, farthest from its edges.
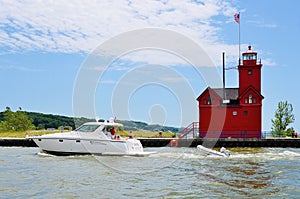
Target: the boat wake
(44, 154)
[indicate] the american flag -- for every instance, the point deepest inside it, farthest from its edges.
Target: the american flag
(237, 17)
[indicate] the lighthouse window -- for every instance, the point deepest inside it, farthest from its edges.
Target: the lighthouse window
(249, 72)
(250, 99)
(208, 100)
(234, 113)
(254, 100)
(249, 57)
(205, 101)
(246, 100)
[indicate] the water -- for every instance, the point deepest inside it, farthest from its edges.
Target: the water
(171, 173)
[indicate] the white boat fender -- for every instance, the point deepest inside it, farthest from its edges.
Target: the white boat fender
(225, 151)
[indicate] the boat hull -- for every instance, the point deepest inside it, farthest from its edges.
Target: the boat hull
(63, 153)
(77, 146)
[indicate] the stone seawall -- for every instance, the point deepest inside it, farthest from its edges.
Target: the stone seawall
(168, 142)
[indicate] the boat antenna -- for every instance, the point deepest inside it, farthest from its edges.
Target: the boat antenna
(224, 95)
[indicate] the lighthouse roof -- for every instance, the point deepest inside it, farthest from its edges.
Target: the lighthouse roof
(230, 93)
(249, 51)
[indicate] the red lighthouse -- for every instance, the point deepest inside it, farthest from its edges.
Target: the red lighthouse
(234, 112)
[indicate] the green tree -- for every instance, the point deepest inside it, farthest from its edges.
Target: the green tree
(40, 127)
(283, 118)
(17, 121)
(5, 124)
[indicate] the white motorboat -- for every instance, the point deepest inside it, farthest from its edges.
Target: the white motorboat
(90, 138)
(223, 151)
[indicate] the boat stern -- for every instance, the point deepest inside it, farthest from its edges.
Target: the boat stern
(134, 146)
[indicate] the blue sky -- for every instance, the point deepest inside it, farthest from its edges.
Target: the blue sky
(44, 45)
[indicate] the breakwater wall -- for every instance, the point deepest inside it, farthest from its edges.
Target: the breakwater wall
(228, 143)
(169, 142)
(21, 142)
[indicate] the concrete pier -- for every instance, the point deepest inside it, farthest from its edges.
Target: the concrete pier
(228, 143)
(21, 142)
(169, 142)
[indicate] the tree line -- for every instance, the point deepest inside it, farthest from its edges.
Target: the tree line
(15, 121)
(21, 120)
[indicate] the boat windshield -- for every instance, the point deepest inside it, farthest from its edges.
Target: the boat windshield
(87, 128)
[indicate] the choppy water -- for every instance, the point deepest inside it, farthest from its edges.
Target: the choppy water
(171, 173)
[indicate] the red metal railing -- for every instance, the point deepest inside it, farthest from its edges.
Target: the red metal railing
(191, 130)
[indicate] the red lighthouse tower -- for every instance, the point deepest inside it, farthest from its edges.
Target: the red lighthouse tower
(249, 71)
(234, 112)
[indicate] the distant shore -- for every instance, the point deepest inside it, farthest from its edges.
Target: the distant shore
(175, 142)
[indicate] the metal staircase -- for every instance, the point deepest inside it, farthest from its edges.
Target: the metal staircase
(191, 131)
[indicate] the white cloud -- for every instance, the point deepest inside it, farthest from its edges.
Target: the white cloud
(19, 68)
(262, 24)
(269, 62)
(80, 26)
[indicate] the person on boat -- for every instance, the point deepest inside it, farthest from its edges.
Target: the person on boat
(112, 131)
(130, 135)
(118, 137)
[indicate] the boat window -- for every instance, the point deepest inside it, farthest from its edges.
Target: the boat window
(87, 128)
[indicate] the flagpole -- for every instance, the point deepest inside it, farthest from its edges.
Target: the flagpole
(237, 18)
(239, 37)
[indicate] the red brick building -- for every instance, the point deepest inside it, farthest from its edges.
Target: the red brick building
(234, 112)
